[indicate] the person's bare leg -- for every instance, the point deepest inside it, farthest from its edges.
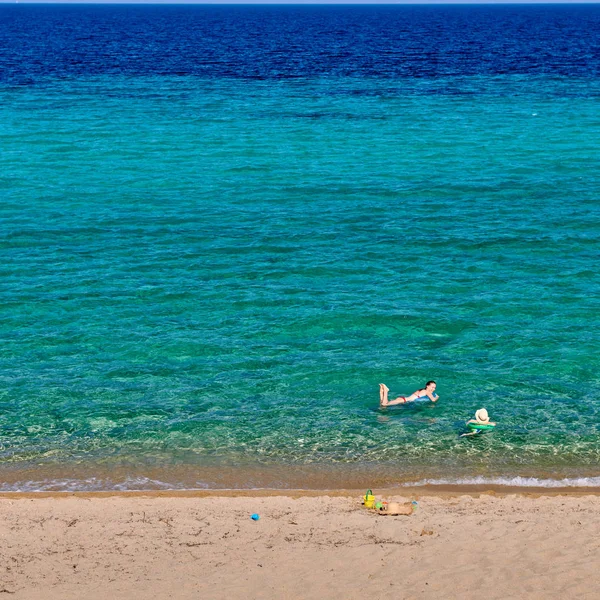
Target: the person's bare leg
(383, 394)
(398, 400)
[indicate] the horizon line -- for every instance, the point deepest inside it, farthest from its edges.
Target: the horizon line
(310, 2)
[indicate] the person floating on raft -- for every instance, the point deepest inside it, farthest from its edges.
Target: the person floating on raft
(426, 392)
(480, 423)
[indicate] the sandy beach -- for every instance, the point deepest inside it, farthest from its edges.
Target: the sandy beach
(303, 546)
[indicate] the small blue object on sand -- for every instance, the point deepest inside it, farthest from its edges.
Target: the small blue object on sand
(255, 517)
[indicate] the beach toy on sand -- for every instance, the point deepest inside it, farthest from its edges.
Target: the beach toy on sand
(396, 508)
(369, 499)
(255, 517)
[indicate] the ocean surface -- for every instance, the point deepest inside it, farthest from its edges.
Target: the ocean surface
(222, 227)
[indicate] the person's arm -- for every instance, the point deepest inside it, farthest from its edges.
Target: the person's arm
(433, 397)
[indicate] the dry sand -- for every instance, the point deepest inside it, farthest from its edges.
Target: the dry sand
(310, 547)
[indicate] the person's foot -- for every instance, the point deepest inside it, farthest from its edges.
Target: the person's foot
(383, 390)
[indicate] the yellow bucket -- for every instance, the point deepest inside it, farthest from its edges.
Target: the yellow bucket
(369, 499)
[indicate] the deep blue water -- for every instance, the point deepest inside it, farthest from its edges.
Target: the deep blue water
(45, 42)
(222, 226)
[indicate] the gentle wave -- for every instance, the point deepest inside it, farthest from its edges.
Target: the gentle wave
(93, 484)
(145, 484)
(534, 482)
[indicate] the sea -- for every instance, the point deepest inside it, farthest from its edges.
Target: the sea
(222, 227)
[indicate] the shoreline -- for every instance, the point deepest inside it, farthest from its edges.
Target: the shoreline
(437, 491)
(284, 479)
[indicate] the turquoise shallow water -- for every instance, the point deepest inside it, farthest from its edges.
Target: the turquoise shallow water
(203, 281)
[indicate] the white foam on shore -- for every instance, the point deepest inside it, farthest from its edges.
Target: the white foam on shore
(92, 484)
(143, 484)
(533, 482)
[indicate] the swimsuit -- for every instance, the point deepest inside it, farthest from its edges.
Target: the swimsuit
(417, 398)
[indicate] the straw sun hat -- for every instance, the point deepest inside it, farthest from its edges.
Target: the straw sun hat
(482, 415)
